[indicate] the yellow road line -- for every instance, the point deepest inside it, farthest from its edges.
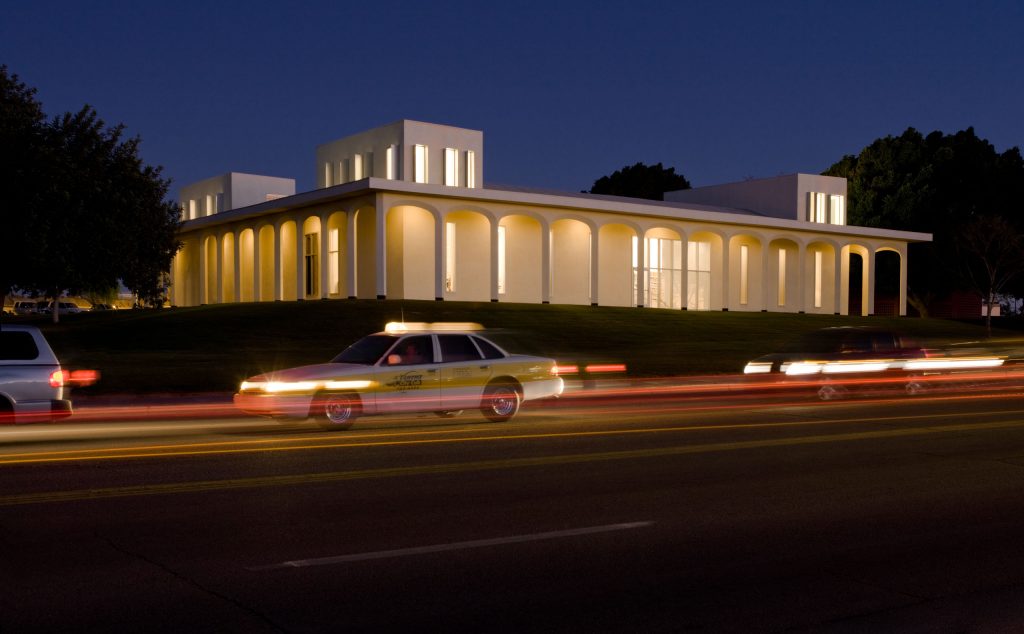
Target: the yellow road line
(333, 442)
(476, 466)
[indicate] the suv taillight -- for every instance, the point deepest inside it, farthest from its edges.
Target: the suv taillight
(57, 378)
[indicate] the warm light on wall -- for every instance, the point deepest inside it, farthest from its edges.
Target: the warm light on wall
(743, 274)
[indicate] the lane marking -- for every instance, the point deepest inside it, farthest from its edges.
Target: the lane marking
(245, 446)
(438, 548)
(480, 465)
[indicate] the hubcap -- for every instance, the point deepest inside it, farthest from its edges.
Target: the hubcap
(503, 403)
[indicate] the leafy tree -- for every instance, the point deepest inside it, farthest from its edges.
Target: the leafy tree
(96, 216)
(935, 184)
(22, 159)
(641, 181)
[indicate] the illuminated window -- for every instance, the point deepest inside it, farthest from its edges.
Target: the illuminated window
(357, 167)
(334, 261)
(698, 275)
(782, 277)
(470, 168)
(311, 242)
(817, 279)
(328, 174)
(451, 167)
(390, 168)
(210, 209)
(743, 274)
(192, 204)
(420, 163)
(501, 260)
(449, 256)
(837, 210)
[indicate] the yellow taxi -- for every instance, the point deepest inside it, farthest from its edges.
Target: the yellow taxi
(409, 367)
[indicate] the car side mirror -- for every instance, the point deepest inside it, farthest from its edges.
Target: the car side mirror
(394, 359)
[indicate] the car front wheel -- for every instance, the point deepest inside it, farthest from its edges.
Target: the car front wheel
(500, 403)
(336, 412)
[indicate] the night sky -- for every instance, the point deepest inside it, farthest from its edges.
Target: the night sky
(565, 92)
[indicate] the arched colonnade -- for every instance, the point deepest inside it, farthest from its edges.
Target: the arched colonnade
(452, 250)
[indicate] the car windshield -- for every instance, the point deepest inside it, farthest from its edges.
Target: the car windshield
(366, 351)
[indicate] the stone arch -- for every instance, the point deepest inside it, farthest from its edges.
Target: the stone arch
(855, 275)
(783, 276)
(267, 237)
(522, 264)
(570, 261)
(820, 266)
(705, 261)
(467, 262)
(889, 299)
(287, 237)
(746, 271)
(616, 269)
(411, 260)
(246, 265)
(663, 269)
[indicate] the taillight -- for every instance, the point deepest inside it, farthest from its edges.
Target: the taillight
(57, 378)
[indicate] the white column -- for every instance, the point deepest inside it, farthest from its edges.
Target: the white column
(545, 264)
(839, 281)
(801, 283)
(202, 270)
(238, 265)
(278, 269)
(595, 260)
(725, 272)
(381, 237)
(684, 284)
(641, 274)
(440, 261)
(494, 260)
(869, 278)
(300, 261)
(903, 282)
(325, 256)
(218, 269)
(766, 277)
(256, 281)
(350, 255)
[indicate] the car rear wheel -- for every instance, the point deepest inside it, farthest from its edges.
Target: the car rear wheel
(500, 403)
(336, 412)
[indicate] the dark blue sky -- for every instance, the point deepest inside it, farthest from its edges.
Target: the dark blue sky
(565, 92)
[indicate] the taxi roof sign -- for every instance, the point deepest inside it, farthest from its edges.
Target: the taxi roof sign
(399, 327)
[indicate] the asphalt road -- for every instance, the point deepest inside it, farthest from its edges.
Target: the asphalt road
(626, 515)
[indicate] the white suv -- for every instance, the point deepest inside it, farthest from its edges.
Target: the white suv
(33, 386)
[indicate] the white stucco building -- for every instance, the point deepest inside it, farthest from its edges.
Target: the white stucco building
(402, 212)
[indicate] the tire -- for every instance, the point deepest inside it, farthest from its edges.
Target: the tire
(336, 412)
(449, 413)
(831, 393)
(500, 403)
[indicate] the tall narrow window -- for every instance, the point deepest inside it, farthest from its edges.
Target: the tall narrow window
(357, 167)
(368, 165)
(820, 211)
(328, 181)
(390, 167)
(218, 203)
(334, 261)
(501, 260)
(743, 274)
(311, 242)
(346, 171)
(451, 167)
(817, 279)
(449, 256)
(192, 208)
(837, 210)
(470, 168)
(210, 209)
(782, 277)
(698, 275)
(420, 163)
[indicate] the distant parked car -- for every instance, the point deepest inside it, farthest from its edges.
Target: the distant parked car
(26, 308)
(101, 307)
(66, 308)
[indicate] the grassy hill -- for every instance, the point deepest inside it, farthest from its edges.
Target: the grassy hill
(212, 348)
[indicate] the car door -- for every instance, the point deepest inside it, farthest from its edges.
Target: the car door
(464, 372)
(408, 378)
